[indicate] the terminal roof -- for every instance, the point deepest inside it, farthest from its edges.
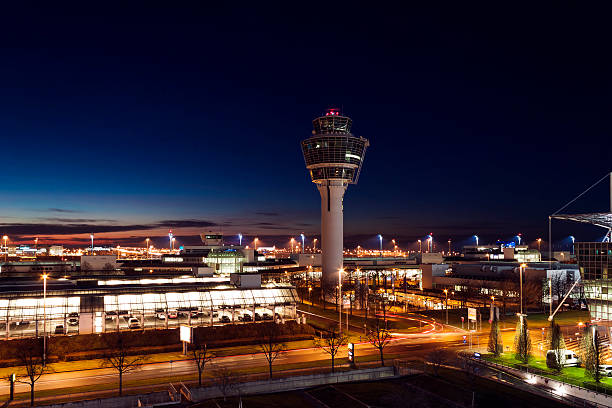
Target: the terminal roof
(603, 220)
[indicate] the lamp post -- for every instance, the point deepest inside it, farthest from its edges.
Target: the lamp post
(240, 239)
(449, 246)
(539, 244)
(446, 307)
(309, 301)
(45, 319)
(521, 269)
(518, 237)
(476, 238)
(5, 239)
(340, 298)
(380, 239)
(573, 240)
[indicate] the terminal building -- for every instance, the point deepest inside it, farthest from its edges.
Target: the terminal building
(201, 286)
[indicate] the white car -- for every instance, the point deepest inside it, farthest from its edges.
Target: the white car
(161, 316)
(606, 370)
(133, 323)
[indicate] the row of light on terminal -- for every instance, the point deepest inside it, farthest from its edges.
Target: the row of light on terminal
(429, 242)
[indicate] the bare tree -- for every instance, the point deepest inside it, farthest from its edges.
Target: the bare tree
(379, 337)
(201, 356)
(270, 344)
(331, 344)
(436, 358)
(225, 381)
(117, 357)
(30, 357)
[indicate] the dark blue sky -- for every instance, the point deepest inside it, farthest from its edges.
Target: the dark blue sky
(130, 121)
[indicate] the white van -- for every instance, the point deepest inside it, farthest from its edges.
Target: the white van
(568, 358)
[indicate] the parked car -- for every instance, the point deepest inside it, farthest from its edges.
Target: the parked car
(160, 316)
(567, 358)
(73, 321)
(59, 329)
(172, 314)
(133, 323)
(225, 319)
(245, 318)
(605, 370)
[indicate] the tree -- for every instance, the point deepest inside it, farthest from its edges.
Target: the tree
(436, 358)
(379, 337)
(201, 356)
(556, 344)
(522, 341)
(225, 381)
(270, 344)
(30, 357)
(495, 345)
(117, 357)
(592, 355)
(331, 344)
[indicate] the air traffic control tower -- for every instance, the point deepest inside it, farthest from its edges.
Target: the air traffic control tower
(334, 158)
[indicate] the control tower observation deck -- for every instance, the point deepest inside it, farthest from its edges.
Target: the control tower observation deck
(333, 157)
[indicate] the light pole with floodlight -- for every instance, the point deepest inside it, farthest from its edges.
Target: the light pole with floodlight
(44, 319)
(380, 239)
(240, 239)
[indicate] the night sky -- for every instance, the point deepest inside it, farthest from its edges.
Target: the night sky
(127, 122)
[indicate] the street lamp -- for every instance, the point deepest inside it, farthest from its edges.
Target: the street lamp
(476, 238)
(518, 237)
(521, 269)
(44, 318)
(573, 240)
(309, 301)
(380, 239)
(340, 298)
(240, 239)
(446, 307)
(449, 246)
(303, 238)
(5, 239)
(539, 243)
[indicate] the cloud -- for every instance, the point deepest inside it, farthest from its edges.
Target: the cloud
(74, 226)
(73, 220)
(186, 223)
(267, 214)
(63, 210)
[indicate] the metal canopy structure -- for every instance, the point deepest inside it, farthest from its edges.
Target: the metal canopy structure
(603, 220)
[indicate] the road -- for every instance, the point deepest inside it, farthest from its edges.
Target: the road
(405, 345)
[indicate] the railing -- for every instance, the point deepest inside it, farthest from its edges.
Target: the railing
(548, 389)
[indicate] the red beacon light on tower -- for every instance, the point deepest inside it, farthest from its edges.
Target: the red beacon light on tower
(332, 112)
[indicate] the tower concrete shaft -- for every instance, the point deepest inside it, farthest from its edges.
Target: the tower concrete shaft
(332, 230)
(334, 157)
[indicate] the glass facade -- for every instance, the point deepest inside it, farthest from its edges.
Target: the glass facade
(112, 309)
(594, 260)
